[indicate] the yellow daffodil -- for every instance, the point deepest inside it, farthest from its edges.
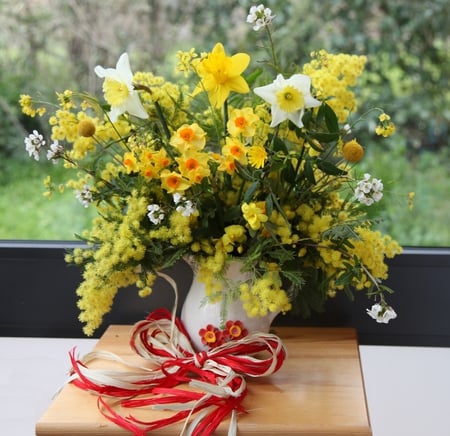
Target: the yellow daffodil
(254, 215)
(189, 137)
(173, 182)
(235, 149)
(194, 166)
(220, 74)
(242, 122)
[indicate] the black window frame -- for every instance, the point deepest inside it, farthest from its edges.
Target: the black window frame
(38, 297)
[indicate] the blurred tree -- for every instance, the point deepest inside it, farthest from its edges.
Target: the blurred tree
(408, 45)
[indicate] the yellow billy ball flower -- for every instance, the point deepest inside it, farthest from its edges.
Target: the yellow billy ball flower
(86, 128)
(352, 151)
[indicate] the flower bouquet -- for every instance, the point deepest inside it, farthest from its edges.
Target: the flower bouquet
(253, 165)
(256, 162)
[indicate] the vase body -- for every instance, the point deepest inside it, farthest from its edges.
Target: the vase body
(198, 313)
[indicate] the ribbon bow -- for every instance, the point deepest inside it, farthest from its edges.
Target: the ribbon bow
(200, 388)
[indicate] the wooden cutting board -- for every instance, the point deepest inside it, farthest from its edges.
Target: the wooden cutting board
(319, 391)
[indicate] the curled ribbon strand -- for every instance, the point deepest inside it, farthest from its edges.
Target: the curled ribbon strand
(215, 379)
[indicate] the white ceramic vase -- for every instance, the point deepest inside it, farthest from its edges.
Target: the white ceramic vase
(197, 312)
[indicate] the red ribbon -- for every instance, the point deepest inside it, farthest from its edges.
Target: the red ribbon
(216, 378)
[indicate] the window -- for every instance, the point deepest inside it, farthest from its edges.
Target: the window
(55, 44)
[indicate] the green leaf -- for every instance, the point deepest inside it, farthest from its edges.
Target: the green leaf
(294, 276)
(329, 168)
(324, 136)
(250, 192)
(309, 172)
(232, 214)
(252, 77)
(243, 171)
(278, 144)
(331, 120)
(269, 205)
(288, 173)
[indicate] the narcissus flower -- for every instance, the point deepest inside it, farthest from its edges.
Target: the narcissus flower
(254, 215)
(119, 91)
(220, 74)
(289, 98)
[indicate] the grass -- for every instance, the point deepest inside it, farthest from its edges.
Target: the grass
(26, 214)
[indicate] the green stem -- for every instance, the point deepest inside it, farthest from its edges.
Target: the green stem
(161, 118)
(225, 117)
(272, 50)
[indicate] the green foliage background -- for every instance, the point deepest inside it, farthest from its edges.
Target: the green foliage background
(55, 44)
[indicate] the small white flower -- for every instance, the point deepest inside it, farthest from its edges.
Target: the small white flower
(84, 196)
(259, 16)
(288, 98)
(55, 151)
(155, 214)
(33, 143)
(177, 197)
(119, 91)
(369, 191)
(382, 314)
(185, 207)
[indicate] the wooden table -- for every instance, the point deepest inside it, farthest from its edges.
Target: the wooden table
(319, 391)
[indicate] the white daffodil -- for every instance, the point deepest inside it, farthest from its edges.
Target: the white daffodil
(119, 91)
(289, 98)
